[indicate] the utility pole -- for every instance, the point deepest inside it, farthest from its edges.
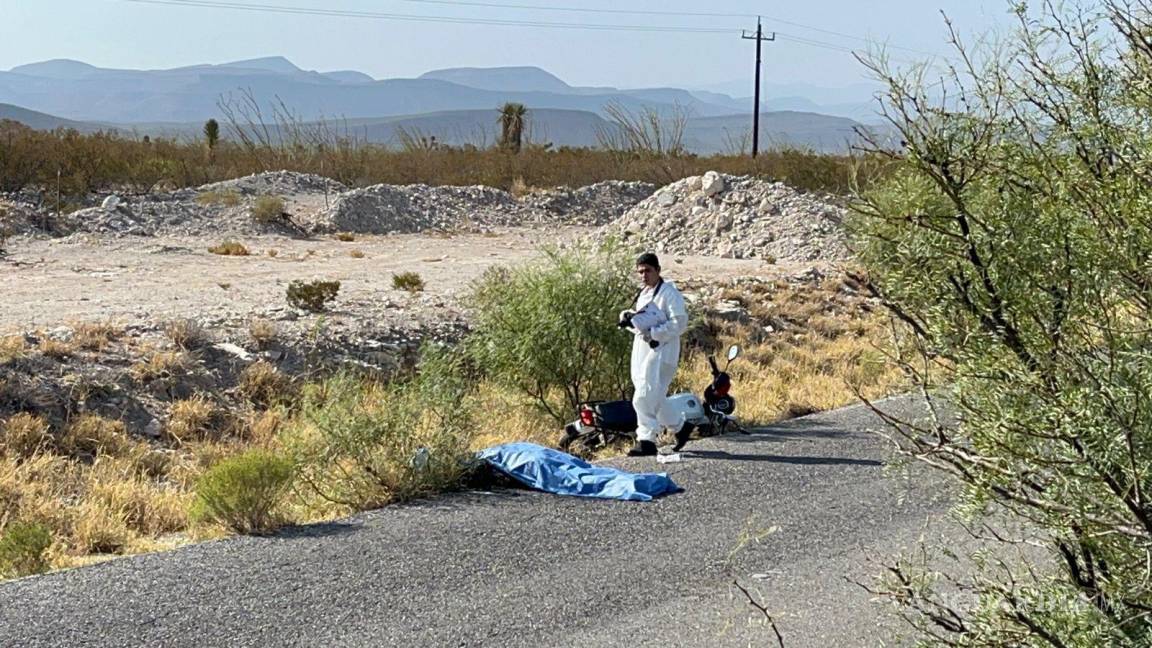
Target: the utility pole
(759, 37)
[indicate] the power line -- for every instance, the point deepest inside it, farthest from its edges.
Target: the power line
(650, 12)
(267, 8)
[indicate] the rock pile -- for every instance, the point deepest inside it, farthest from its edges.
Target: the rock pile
(388, 209)
(595, 204)
(737, 217)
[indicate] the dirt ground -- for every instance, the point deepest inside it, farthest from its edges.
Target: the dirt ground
(49, 282)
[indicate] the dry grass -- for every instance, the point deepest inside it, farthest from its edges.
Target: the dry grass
(12, 348)
(229, 248)
(92, 435)
(57, 349)
(356, 254)
(273, 253)
(195, 418)
(188, 334)
(24, 435)
(161, 364)
(264, 385)
(263, 332)
(95, 336)
(267, 209)
(346, 237)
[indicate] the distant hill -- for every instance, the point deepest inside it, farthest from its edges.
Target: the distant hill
(39, 120)
(457, 105)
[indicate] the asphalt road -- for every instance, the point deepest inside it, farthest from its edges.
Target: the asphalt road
(518, 568)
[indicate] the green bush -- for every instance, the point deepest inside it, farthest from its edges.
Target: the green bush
(1012, 242)
(312, 296)
(548, 329)
(22, 550)
(267, 209)
(244, 492)
(363, 443)
(409, 281)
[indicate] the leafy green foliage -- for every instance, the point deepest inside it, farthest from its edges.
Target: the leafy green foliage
(364, 443)
(548, 329)
(312, 296)
(1012, 240)
(244, 492)
(22, 550)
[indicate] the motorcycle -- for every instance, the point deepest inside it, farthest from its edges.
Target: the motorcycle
(602, 423)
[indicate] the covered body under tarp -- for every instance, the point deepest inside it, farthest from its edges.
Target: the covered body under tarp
(553, 471)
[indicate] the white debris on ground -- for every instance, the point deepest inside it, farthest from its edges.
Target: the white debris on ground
(735, 217)
(595, 204)
(314, 204)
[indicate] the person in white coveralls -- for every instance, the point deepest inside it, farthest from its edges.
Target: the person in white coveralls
(658, 318)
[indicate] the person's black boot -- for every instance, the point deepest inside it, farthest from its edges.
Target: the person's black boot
(643, 449)
(682, 436)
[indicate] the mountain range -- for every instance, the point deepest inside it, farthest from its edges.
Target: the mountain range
(456, 105)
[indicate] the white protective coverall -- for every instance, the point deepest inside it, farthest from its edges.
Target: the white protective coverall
(654, 369)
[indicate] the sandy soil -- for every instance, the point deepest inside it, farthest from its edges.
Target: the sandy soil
(150, 279)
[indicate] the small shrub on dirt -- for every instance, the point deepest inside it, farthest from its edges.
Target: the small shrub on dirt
(161, 364)
(187, 334)
(23, 550)
(229, 248)
(93, 435)
(312, 296)
(191, 419)
(12, 348)
(346, 237)
(265, 385)
(361, 444)
(273, 253)
(410, 281)
(56, 349)
(244, 492)
(356, 254)
(24, 435)
(267, 209)
(94, 336)
(263, 332)
(226, 198)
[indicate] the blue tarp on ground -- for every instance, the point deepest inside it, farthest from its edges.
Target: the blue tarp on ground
(553, 471)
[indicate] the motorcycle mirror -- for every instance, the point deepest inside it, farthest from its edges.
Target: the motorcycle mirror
(733, 352)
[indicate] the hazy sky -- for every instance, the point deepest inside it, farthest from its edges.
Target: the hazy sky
(120, 33)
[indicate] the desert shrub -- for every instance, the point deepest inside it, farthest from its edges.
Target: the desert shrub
(263, 332)
(1011, 241)
(23, 435)
(264, 385)
(57, 349)
(229, 248)
(89, 434)
(12, 348)
(267, 209)
(244, 492)
(547, 329)
(362, 443)
(192, 419)
(356, 254)
(94, 336)
(312, 296)
(23, 549)
(409, 281)
(161, 364)
(346, 237)
(188, 334)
